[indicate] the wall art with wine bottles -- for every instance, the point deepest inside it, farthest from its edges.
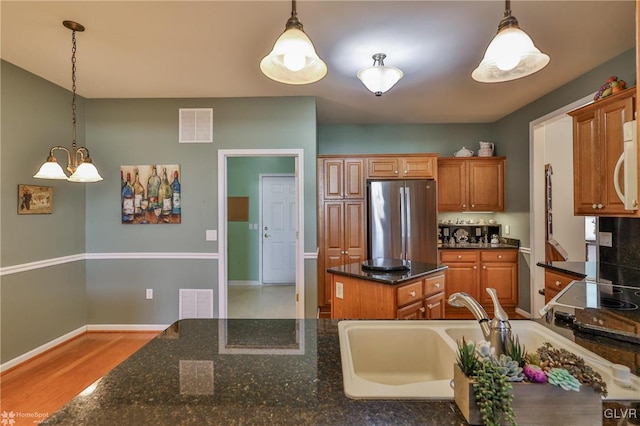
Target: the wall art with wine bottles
(150, 194)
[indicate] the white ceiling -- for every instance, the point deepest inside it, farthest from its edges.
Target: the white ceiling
(157, 49)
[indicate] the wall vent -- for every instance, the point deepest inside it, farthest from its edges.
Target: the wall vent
(195, 303)
(196, 125)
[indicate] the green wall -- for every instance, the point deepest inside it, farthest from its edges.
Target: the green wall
(40, 305)
(243, 180)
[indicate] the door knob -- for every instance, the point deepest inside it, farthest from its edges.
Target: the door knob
(266, 228)
(266, 235)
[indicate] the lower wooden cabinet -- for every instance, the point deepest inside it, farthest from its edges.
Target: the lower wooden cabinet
(555, 282)
(422, 298)
(474, 270)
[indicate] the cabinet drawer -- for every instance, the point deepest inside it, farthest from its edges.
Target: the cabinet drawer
(499, 256)
(458, 256)
(409, 293)
(557, 282)
(433, 285)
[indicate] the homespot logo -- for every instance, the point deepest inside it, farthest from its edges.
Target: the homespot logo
(10, 418)
(620, 413)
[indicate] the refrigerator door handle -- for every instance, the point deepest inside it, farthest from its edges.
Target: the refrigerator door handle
(407, 216)
(403, 222)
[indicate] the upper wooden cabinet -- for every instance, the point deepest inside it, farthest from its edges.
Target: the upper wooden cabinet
(471, 184)
(597, 145)
(403, 167)
(342, 178)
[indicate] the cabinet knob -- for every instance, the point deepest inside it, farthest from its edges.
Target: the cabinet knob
(437, 285)
(558, 283)
(484, 267)
(412, 293)
(342, 252)
(464, 205)
(499, 256)
(346, 252)
(459, 256)
(594, 206)
(430, 306)
(406, 172)
(475, 267)
(396, 172)
(600, 206)
(423, 309)
(473, 205)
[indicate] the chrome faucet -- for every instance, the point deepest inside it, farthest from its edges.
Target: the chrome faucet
(496, 331)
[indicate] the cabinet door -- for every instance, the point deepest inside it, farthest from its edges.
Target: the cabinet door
(586, 165)
(452, 185)
(333, 239)
(354, 178)
(461, 277)
(612, 118)
(354, 232)
(435, 306)
(501, 276)
(419, 167)
(411, 312)
(383, 167)
(333, 178)
(486, 185)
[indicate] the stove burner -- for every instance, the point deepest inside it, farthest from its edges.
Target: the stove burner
(617, 304)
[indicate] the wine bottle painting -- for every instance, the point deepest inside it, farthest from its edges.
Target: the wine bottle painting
(150, 194)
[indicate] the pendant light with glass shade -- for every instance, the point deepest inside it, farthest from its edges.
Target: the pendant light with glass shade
(79, 162)
(510, 55)
(293, 59)
(379, 78)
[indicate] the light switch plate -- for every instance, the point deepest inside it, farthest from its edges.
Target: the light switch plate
(211, 235)
(149, 293)
(339, 290)
(606, 239)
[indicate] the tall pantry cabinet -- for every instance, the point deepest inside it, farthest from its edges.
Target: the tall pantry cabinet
(341, 218)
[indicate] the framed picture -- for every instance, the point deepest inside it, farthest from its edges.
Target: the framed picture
(35, 199)
(150, 194)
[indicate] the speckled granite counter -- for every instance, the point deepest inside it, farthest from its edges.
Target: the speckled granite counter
(477, 246)
(599, 272)
(284, 372)
(417, 270)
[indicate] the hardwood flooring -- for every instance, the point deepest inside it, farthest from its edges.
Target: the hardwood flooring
(36, 389)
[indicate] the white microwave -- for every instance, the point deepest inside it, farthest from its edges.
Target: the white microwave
(629, 157)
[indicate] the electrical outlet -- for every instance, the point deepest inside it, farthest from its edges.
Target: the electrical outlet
(339, 290)
(606, 239)
(507, 230)
(149, 293)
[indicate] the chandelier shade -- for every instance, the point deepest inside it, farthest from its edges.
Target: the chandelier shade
(379, 78)
(293, 59)
(510, 55)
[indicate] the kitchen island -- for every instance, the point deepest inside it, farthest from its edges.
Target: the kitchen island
(284, 372)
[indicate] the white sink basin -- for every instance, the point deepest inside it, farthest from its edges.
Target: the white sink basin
(414, 359)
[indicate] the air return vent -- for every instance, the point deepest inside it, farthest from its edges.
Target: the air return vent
(196, 303)
(196, 125)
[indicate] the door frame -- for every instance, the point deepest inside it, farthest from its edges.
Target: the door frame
(536, 199)
(260, 212)
(223, 154)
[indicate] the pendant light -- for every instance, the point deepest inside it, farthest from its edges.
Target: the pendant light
(510, 55)
(79, 162)
(293, 59)
(379, 78)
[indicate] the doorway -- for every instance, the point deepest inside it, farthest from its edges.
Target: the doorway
(229, 255)
(551, 142)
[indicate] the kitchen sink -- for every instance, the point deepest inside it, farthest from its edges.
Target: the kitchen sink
(414, 359)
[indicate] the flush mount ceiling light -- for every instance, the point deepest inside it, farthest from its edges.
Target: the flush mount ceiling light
(293, 59)
(510, 55)
(379, 78)
(78, 160)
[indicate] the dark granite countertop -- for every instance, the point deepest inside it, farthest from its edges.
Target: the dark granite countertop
(477, 246)
(599, 272)
(417, 270)
(283, 372)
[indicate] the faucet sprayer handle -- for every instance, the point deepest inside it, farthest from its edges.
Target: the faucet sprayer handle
(498, 312)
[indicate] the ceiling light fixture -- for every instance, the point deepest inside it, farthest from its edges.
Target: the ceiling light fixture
(78, 160)
(293, 59)
(510, 55)
(379, 78)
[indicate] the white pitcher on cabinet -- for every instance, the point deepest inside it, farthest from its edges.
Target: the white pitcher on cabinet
(486, 149)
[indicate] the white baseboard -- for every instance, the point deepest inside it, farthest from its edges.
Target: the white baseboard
(41, 349)
(127, 327)
(523, 313)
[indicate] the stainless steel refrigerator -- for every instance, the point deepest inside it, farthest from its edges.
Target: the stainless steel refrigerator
(402, 220)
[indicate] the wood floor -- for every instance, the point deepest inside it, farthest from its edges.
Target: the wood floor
(39, 387)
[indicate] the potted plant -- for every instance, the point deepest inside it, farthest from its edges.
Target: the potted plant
(548, 386)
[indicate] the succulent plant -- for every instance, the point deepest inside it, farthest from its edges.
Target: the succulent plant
(484, 350)
(467, 359)
(515, 350)
(564, 379)
(534, 373)
(493, 395)
(508, 367)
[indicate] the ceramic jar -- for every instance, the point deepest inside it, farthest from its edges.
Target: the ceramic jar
(486, 149)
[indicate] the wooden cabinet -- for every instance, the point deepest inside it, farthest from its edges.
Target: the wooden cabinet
(403, 167)
(422, 298)
(555, 282)
(471, 184)
(342, 178)
(597, 145)
(473, 271)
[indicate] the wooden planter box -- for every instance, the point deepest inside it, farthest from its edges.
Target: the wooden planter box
(535, 403)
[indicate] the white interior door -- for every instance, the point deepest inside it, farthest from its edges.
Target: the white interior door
(278, 233)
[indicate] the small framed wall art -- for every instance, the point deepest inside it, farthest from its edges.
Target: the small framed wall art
(35, 199)
(150, 194)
